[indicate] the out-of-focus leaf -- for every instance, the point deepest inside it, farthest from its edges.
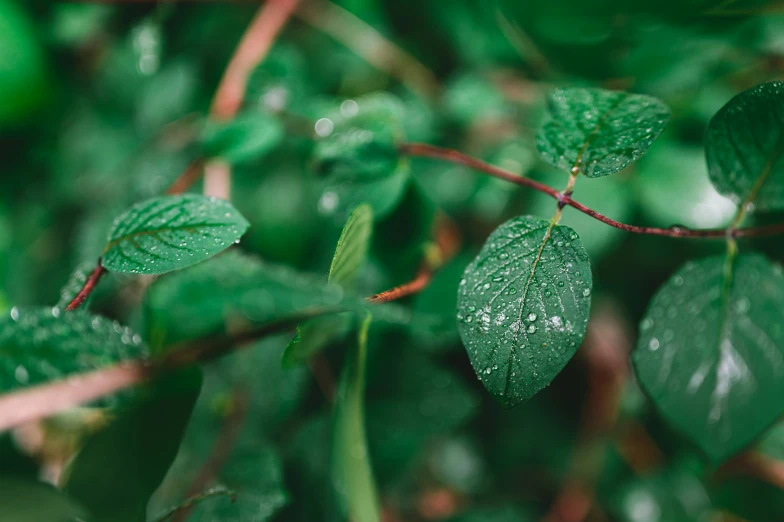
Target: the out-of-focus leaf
(599, 132)
(170, 233)
(710, 353)
(74, 284)
(500, 513)
(523, 306)
(471, 98)
(744, 144)
(167, 96)
(245, 138)
(38, 345)
(351, 470)
(29, 501)
(350, 254)
(120, 467)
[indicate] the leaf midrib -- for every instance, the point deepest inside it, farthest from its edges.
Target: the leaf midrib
(151, 232)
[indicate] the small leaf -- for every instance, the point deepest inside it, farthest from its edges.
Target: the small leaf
(711, 351)
(744, 145)
(247, 137)
(171, 232)
(523, 306)
(351, 470)
(358, 156)
(350, 253)
(599, 132)
(120, 467)
(28, 501)
(38, 345)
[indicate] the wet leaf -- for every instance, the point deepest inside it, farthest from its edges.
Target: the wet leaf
(29, 501)
(120, 467)
(38, 345)
(349, 256)
(744, 144)
(710, 351)
(170, 233)
(523, 306)
(351, 470)
(245, 138)
(599, 132)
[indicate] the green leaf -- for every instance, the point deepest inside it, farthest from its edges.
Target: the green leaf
(710, 352)
(496, 513)
(358, 156)
(28, 501)
(523, 306)
(120, 467)
(245, 138)
(170, 233)
(350, 254)
(38, 345)
(234, 287)
(351, 470)
(743, 147)
(599, 132)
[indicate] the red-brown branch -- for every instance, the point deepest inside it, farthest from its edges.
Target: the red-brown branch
(454, 156)
(89, 285)
(412, 287)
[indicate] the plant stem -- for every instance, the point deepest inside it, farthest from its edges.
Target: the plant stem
(89, 285)
(454, 156)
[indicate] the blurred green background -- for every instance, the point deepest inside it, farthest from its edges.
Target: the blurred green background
(104, 105)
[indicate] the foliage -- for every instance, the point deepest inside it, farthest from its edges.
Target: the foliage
(576, 207)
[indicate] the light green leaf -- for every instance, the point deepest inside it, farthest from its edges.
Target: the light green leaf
(358, 156)
(744, 144)
(38, 345)
(120, 467)
(523, 306)
(245, 138)
(599, 132)
(170, 233)
(28, 501)
(351, 470)
(711, 351)
(350, 253)
(234, 287)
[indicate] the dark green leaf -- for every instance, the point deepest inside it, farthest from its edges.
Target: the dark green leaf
(744, 144)
(523, 306)
(710, 351)
(245, 138)
(28, 501)
(171, 232)
(599, 132)
(38, 345)
(120, 467)
(351, 470)
(497, 513)
(349, 256)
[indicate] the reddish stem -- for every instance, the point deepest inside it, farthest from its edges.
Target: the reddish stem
(454, 156)
(89, 285)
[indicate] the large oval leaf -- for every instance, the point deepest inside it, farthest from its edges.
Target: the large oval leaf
(600, 132)
(171, 232)
(43, 344)
(744, 146)
(523, 306)
(711, 351)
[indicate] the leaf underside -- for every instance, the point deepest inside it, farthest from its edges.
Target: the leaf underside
(711, 351)
(598, 131)
(523, 306)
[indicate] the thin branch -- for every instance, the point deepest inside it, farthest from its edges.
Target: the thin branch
(369, 44)
(189, 176)
(454, 156)
(757, 465)
(89, 285)
(195, 499)
(412, 287)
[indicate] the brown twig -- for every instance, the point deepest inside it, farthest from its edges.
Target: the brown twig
(454, 156)
(757, 465)
(189, 176)
(89, 285)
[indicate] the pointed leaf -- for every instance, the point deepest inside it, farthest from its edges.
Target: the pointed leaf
(171, 232)
(744, 147)
(350, 253)
(711, 351)
(38, 345)
(351, 470)
(120, 467)
(523, 306)
(598, 131)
